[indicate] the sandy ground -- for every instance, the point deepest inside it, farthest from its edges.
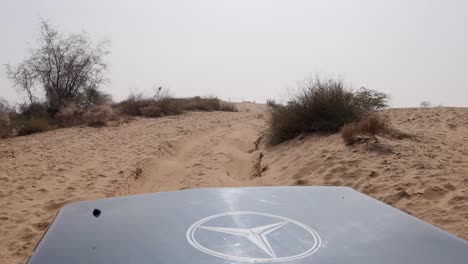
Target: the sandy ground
(425, 175)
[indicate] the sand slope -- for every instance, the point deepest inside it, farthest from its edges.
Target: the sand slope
(425, 175)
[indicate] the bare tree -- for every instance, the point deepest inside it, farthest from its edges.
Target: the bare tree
(425, 104)
(62, 69)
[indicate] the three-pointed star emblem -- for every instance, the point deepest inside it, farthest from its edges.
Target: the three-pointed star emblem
(257, 235)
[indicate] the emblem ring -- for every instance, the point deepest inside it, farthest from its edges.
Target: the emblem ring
(192, 240)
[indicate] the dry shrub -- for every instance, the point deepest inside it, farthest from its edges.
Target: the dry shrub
(271, 103)
(31, 126)
(151, 111)
(202, 104)
(208, 104)
(321, 106)
(227, 107)
(348, 133)
(133, 104)
(35, 110)
(171, 106)
(99, 115)
(69, 115)
(5, 107)
(138, 105)
(6, 129)
(370, 125)
(317, 107)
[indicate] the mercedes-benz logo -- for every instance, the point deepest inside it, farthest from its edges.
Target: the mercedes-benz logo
(253, 237)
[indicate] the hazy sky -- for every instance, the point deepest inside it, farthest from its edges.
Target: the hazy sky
(414, 50)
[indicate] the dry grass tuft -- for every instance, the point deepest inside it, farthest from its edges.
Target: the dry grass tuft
(370, 125)
(69, 115)
(99, 115)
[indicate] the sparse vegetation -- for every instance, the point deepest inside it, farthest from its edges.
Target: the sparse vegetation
(201, 104)
(6, 130)
(322, 106)
(425, 104)
(227, 107)
(99, 115)
(69, 115)
(151, 111)
(33, 110)
(62, 70)
(133, 104)
(31, 126)
(370, 125)
(271, 103)
(368, 99)
(139, 105)
(61, 79)
(29, 118)
(172, 106)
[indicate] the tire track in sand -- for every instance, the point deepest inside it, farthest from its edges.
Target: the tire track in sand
(220, 157)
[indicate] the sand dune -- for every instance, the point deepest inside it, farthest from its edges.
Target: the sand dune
(425, 175)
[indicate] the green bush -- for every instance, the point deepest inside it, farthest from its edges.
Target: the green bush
(320, 106)
(371, 99)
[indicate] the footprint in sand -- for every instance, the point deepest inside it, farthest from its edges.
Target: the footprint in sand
(433, 192)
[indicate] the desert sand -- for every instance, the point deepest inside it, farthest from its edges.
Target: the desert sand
(425, 175)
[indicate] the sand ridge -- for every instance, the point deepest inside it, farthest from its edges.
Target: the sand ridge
(425, 175)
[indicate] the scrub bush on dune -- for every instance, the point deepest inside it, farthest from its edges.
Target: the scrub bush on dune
(227, 107)
(32, 126)
(201, 104)
(6, 129)
(151, 111)
(139, 105)
(321, 106)
(133, 104)
(99, 115)
(69, 115)
(271, 103)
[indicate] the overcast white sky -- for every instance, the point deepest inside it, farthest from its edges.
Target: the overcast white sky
(414, 50)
